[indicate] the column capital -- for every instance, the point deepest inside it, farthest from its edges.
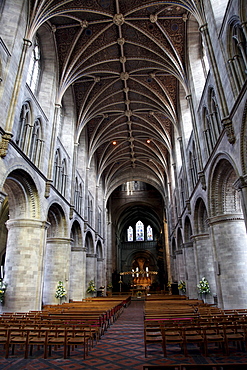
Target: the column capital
(240, 183)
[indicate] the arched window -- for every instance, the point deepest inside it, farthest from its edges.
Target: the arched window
(130, 236)
(214, 114)
(80, 199)
(90, 210)
(63, 177)
(238, 54)
(76, 195)
(57, 169)
(182, 193)
(139, 231)
(99, 221)
(149, 233)
(34, 67)
(24, 127)
(208, 132)
(36, 143)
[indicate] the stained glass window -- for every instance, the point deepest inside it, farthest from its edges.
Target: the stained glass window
(139, 231)
(130, 234)
(149, 233)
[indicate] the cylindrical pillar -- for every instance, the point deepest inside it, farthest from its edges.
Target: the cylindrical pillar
(24, 264)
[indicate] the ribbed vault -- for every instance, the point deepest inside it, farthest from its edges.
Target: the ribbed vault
(125, 61)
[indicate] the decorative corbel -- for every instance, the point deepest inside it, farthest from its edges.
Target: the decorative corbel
(202, 180)
(71, 212)
(6, 137)
(48, 188)
(187, 202)
(227, 124)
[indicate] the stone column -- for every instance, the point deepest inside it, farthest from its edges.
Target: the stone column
(230, 241)
(52, 149)
(15, 95)
(24, 264)
(91, 268)
(241, 186)
(100, 281)
(190, 271)
(57, 266)
(77, 274)
(180, 264)
(205, 266)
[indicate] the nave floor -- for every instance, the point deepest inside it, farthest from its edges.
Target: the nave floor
(120, 348)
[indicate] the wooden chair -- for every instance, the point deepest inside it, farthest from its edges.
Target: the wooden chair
(17, 336)
(173, 335)
(232, 334)
(193, 335)
(57, 337)
(78, 336)
(38, 337)
(212, 334)
(153, 335)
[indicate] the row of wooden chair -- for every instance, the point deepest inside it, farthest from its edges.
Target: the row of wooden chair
(201, 335)
(66, 326)
(46, 337)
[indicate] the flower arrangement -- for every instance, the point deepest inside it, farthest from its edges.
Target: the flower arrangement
(91, 287)
(182, 286)
(3, 287)
(109, 286)
(60, 291)
(169, 284)
(203, 286)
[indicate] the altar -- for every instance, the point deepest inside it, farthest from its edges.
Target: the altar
(139, 292)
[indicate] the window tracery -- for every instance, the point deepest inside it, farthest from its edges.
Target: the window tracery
(34, 67)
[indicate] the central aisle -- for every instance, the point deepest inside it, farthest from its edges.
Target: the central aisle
(122, 346)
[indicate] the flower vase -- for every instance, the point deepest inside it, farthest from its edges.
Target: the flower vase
(62, 300)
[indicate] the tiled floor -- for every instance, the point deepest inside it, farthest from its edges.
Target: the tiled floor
(120, 348)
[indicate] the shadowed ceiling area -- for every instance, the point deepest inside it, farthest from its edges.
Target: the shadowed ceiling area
(125, 62)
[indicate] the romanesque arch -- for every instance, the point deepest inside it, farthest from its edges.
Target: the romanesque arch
(228, 235)
(22, 237)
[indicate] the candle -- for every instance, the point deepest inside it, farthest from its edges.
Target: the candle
(147, 269)
(1, 271)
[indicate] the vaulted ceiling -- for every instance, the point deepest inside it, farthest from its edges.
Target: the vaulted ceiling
(124, 60)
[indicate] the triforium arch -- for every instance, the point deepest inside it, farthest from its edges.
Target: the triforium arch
(58, 253)
(228, 248)
(23, 238)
